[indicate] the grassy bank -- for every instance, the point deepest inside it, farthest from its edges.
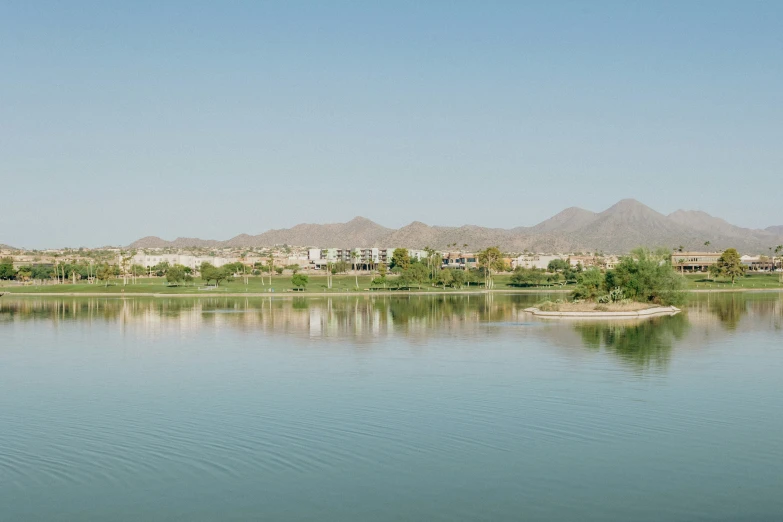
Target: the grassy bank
(748, 282)
(280, 284)
(342, 284)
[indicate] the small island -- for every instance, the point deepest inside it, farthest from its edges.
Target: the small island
(643, 284)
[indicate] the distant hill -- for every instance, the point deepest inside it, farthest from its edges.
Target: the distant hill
(620, 228)
(6, 247)
(180, 242)
(358, 231)
(775, 230)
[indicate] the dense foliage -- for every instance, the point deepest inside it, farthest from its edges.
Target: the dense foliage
(300, 281)
(729, 265)
(643, 276)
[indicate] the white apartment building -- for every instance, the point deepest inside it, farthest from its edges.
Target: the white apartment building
(534, 260)
(188, 260)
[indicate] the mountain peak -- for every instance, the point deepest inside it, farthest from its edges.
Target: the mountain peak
(628, 203)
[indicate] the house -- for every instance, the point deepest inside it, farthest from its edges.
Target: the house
(459, 260)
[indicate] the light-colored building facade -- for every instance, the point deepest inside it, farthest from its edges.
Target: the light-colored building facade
(149, 260)
(694, 261)
(540, 261)
(459, 260)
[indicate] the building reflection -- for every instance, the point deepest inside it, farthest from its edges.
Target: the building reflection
(365, 320)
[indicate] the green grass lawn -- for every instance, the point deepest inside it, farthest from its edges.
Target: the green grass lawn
(749, 281)
(280, 284)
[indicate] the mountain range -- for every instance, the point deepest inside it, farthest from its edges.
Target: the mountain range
(6, 247)
(618, 229)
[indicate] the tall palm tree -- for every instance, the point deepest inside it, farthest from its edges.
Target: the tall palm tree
(354, 257)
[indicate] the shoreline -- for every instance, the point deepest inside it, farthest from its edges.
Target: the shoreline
(385, 293)
(363, 293)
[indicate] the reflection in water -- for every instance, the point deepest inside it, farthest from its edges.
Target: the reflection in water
(645, 344)
(731, 308)
(415, 319)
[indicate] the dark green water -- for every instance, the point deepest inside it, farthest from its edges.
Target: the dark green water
(388, 409)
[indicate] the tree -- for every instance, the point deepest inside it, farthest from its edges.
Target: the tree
(104, 273)
(730, 265)
(527, 276)
(418, 273)
(24, 273)
(401, 258)
(446, 277)
(279, 270)
(270, 265)
(779, 252)
(175, 274)
(299, 281)
(707, 244)
(354, 259)
(491, 259)
(293, 268)
(208, 272)
(137, 270)
(161, 268)
(645, 277)
(558, 265)
(7, 270)
(340, 267)
(590, 284)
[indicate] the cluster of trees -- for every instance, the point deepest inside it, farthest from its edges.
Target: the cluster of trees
(61, 271)
(7, 270)
(413, 272)
(558, 271)
(644, 276)
(209, 272)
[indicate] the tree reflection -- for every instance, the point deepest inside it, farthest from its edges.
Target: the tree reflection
(646, 344)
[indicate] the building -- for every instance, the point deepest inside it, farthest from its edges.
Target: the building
(601, 262)
(758, 263)
(459, 260)
(694, 261)
(539, 261)
(187, 260)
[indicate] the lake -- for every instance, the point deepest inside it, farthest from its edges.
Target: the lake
(377, 408)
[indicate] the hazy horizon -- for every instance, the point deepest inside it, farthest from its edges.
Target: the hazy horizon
(123, 121)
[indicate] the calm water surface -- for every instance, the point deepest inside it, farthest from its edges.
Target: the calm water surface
(387, 409)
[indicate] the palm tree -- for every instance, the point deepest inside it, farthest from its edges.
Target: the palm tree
(354, 257)
(707, 244)
(779, 252)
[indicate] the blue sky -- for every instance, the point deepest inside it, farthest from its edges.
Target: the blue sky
(210, 119)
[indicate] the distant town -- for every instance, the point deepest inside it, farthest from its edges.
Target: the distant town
(82, 263)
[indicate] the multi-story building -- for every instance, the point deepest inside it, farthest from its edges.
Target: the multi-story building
(540, 261)
(193, 262)
(459, 260)
(694, 261)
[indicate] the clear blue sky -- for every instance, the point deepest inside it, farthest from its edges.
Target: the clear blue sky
(209, 119)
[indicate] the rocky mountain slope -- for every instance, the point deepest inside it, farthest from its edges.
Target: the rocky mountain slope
(621, 227)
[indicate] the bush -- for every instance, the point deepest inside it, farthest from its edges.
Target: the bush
(590, 284)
